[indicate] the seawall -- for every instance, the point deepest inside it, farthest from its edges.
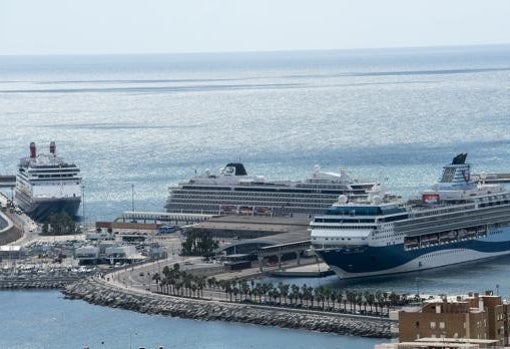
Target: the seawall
(98, 291)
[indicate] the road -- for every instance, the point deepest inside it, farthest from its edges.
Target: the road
(29, 228)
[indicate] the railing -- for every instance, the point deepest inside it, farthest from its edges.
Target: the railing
(456, 220)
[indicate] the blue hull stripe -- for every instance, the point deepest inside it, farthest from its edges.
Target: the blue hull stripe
(378, 259)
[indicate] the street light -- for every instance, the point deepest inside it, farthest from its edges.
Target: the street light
(132, 197)
(83, 205)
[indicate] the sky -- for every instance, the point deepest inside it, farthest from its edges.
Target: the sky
(174, 26)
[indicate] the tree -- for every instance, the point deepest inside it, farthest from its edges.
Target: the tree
(294, 293)
(359, 299)
(199, 243)
(319, 294)
(59, 224)
(166, 271)
(245, 288)
(212, 282)
(156, 277)
(351, 298)
(176, 268)
(283, 291)
(370, 299)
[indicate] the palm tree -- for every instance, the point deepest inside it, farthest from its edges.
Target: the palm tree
(351, 297)
(294, 293)
(339, 297)
(332, 298)
(162, 285)
(201, 281)
(380, 301)
(211, 282)
(157, 279)
(284, 291)
(266, 290)
(178, 287)
(257, 291)
(328, 294)
(370, 300)
(359, 299)
(319, 294)
(245, 288)
(394, 299)
(166, 271)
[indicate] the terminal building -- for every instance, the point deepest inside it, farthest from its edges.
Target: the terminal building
(480, 317)
(264, 239)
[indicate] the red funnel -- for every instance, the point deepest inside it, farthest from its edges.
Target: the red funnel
(32, 150)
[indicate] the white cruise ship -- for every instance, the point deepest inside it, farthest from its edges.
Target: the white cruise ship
(233, 191)
(46, 184)
(458, 220)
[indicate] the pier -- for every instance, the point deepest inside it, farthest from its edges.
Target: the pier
(101, 292)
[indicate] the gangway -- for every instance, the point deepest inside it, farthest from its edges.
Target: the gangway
(187, 218)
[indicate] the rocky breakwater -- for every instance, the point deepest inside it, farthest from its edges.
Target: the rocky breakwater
(98, 291)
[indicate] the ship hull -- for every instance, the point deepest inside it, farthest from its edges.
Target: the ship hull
(40, 209)
(370, 261)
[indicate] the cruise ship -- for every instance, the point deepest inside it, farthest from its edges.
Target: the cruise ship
(458, 220)
(233, 192)
(46, 184)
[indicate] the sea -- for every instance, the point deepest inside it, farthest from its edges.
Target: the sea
(137, 124)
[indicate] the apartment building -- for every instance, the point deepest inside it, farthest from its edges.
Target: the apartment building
(474, 317)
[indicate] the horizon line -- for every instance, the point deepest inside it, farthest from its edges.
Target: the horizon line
(445, 46)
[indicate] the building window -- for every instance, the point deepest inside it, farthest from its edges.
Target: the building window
(441, 325)
(432, 325)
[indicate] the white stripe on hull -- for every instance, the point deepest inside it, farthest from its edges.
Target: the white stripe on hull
(427, 261)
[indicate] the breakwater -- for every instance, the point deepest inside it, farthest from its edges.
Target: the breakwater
(98, 291)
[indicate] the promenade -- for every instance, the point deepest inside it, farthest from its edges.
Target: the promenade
(133, 288)
(102, 291)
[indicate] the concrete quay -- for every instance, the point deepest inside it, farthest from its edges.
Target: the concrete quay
(98, 291)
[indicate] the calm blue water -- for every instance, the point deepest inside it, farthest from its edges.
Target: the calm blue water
(43, 319)
(478, 276)
(151, 121)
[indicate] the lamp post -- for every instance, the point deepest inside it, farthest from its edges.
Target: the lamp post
(83, 205)
(132, 197)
